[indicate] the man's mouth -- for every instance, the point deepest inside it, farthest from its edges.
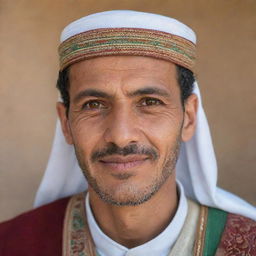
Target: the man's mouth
(120, 163)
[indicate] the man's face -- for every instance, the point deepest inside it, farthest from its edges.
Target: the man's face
(126, 123)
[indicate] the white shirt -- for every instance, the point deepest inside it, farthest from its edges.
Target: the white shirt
(158, 246)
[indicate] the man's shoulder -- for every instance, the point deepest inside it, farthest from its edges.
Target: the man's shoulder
(37, 230)
(223, 233)
(238, 237)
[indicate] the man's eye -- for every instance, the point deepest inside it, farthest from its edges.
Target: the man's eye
(93, 104)
(151, 102)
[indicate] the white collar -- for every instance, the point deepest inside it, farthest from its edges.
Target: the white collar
(160, 245)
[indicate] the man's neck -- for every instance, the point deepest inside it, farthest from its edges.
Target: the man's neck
(132, 226)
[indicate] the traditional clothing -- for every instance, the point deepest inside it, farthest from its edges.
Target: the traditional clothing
(210, 224)
(62, 228)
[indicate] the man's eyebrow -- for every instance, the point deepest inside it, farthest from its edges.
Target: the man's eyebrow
(92, 93)
(139, 92)
(149, 91)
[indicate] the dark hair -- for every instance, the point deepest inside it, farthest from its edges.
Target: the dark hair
(185, 79)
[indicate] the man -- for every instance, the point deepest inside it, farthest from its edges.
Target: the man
(130, 108)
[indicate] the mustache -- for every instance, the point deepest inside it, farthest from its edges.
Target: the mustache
(132, 149)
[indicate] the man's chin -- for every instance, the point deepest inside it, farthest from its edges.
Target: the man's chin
(125, 194)
(126, 200)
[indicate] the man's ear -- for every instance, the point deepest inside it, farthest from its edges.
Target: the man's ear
(190, 114)
(61, 109)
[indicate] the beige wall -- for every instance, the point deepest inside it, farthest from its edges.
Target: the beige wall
(226, 71)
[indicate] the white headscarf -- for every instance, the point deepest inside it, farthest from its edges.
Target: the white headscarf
(196, 168)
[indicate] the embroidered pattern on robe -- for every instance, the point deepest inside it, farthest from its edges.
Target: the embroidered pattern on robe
(238, 238)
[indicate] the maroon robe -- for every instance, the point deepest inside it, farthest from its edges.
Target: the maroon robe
(35, 233)
(40, 233)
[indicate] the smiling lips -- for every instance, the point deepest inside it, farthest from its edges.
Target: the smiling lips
(120, 163)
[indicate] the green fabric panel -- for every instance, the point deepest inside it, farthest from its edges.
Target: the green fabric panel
(215, 226)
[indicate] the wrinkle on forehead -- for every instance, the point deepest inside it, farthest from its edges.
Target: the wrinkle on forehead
(114, 72)
(123, 63)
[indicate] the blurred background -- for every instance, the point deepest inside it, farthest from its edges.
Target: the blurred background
(226, 71)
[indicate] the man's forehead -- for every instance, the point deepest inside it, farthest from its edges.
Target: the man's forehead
(132, 70)
(121, 64)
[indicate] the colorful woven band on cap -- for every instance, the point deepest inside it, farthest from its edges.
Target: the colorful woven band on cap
(127, 41)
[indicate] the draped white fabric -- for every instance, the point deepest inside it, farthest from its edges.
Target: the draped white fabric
(196, 167)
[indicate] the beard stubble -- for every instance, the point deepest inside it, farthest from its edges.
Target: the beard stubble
(128, 194)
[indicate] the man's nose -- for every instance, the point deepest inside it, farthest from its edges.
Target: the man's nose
(122, 127)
